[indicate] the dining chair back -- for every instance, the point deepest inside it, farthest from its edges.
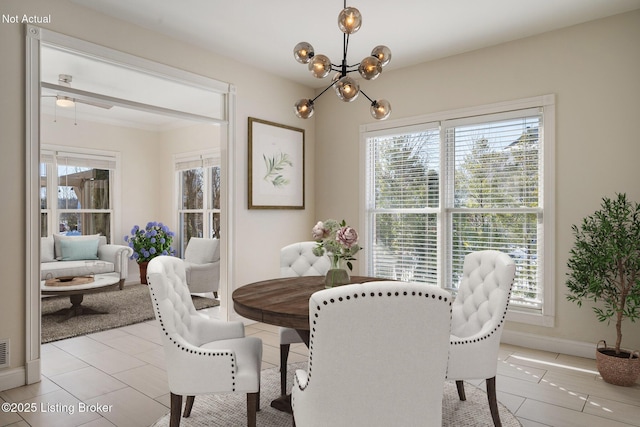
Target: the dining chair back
(297, 259)
(377, 356)
(478, 315)
(203, 355)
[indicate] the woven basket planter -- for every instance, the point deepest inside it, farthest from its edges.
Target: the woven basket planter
(622, 370)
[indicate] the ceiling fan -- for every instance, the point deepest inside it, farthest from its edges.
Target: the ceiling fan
(68, 97)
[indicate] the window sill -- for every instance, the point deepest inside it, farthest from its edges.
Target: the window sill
(530, 318)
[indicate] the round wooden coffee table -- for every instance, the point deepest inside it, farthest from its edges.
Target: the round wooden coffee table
(77, 288)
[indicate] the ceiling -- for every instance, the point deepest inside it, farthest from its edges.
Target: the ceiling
(263, 33)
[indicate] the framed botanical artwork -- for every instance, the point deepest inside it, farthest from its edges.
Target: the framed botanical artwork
(276, 166)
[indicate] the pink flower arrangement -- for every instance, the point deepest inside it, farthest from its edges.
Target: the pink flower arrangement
(337, 240)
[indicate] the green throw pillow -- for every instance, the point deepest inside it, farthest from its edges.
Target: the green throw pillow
(76, 250)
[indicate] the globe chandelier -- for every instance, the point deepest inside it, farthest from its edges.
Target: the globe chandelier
(346, 87)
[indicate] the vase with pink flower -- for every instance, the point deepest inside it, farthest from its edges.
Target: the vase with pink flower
(339, 242)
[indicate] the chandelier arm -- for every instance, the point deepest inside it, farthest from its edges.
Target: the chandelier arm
(345, 45)
(366, 96)
(326, 89)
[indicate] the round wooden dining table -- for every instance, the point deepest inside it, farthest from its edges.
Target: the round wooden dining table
(283, 301)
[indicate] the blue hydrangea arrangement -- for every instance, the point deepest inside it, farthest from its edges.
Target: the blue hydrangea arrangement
(154, 240)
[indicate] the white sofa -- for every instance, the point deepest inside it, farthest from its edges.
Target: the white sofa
(81, 255)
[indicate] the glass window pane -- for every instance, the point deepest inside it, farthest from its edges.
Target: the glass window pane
(496, 163)
(406, 170)
(43, 186)
(83, 188)
(405, 247)
(214, 197)
(214, 219)
(192, 188)
(514, 234)
(78, 223)
(192, 226)
(44, 229)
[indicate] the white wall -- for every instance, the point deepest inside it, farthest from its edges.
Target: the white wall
(593, 71)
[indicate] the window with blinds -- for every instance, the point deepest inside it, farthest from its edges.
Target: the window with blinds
(436, 192)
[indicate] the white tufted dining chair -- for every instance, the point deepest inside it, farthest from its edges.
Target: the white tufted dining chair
(297, 259)
(478, 315)
(377, 356)
(203, 355)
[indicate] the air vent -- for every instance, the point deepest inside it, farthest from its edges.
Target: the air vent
(4, 353)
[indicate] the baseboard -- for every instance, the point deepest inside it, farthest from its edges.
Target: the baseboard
(556, 345)
(12, 378)
(33, 374)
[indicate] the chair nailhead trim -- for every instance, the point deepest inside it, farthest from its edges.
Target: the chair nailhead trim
(183, 348)
(355, 296)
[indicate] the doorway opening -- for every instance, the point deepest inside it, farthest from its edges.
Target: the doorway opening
(96, 79)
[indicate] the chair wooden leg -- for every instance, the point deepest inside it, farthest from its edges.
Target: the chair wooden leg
(493, 401)
(176, 408)
(252, 405)
(284, 356)
(188, 406)
(460, 387)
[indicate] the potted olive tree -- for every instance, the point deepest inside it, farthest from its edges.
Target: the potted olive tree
(604, 267)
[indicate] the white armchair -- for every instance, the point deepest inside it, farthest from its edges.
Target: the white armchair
(202, 265)
(377, 356)
(478, 315)
(203, 356)
(297, 259)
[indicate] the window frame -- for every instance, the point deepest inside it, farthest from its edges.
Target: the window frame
(546, 315)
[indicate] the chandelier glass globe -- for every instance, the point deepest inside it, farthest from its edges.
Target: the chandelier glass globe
(320, 66)
(383, 53)
(349, 20)
(380, 109)
(304, 108)
(370, 68)
(347, 89)
(303, 52)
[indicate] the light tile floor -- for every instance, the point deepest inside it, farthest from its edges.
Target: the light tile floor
(121, 372)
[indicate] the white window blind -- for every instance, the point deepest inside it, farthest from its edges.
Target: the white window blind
(439, 191)
(197, 161)
(91, 161)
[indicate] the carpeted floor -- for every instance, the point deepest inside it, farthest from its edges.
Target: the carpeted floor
(229, 410)
(124, 307)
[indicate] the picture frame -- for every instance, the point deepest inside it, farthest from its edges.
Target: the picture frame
(276, 166)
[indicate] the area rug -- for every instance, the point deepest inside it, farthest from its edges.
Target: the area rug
(124, 307)
(229, 410)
